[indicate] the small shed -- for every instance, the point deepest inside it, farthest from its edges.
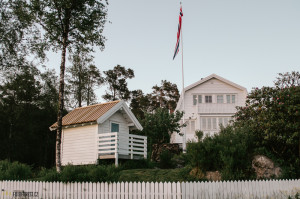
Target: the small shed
(100, 131)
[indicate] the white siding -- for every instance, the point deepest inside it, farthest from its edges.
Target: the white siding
(116, 118)
(212, 87)
(78, 145)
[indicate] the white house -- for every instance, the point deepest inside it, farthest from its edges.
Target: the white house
(208, 103)
(100, 131)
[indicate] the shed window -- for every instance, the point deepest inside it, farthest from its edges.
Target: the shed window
(114, 127)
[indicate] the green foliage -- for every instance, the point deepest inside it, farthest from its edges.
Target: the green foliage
(159, 175)
(86, 173)
(116, 80)
(28, 106)
(228, 152)
(165, 96)
(159, 126)
(14, 171)
(272, 115)
(83, 77)
(166, 160)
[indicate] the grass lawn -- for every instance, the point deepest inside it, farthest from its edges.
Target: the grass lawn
(149, 175)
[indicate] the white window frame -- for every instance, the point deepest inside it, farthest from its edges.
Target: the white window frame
(221, 99)
(208, 97)
(110, 125)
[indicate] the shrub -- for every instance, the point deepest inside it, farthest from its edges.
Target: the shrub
(14, 171)
(165, 160)
(228, 152)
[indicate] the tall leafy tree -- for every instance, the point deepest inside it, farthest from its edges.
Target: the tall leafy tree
(116, 79)
(83, 77)
(18, 37)
(140, 103)
(67, 23)
(165, 96)
(273, 115)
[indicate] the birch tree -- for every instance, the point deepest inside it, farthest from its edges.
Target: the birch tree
(66, 23)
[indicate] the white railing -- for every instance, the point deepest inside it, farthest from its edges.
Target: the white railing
(277, 189)
(128, 145)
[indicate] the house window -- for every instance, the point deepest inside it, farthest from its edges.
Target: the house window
(220, 99)
(233, 99)
(194, 99)
(208, 99)
(209, 123)
(114, 127)
(192, 126)
(228, 99)
(199, 99)
(220, 121)
(214, 121)
(203, 123)
(225, 121)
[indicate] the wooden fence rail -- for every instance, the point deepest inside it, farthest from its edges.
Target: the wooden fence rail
(280, 189)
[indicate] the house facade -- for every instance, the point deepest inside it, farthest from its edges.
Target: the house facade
(100, 131)
(208, 104)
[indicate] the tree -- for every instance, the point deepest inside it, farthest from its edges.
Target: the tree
(273, 115)
(140, 103)
(17, 37)
(28, 104)
(165, 96)
(83, 78)
(159, 126)
(67, 23)
(117, 83)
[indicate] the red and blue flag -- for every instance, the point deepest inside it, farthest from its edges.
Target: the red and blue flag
(178, 34)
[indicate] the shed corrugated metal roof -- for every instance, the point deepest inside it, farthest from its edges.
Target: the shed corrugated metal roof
(86, 114)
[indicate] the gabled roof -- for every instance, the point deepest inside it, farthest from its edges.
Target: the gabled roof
(96, 113)
(211, 77)
(203, 80)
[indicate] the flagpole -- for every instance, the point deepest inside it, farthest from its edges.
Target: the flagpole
(184, 132)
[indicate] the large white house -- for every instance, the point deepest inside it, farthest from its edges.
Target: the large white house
(208, 103)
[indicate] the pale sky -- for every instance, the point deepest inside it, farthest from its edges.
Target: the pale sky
(245, 41)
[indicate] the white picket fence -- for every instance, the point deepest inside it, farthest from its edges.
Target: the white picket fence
(280, 189)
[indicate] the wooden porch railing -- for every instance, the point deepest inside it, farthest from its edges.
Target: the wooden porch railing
(127, 145)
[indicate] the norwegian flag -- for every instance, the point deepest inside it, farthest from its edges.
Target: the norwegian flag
(178, 34)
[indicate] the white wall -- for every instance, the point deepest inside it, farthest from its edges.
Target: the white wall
(79, 145)
(116, 118)
(193, 112)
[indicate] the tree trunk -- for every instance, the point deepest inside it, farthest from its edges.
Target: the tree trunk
(60, 104)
